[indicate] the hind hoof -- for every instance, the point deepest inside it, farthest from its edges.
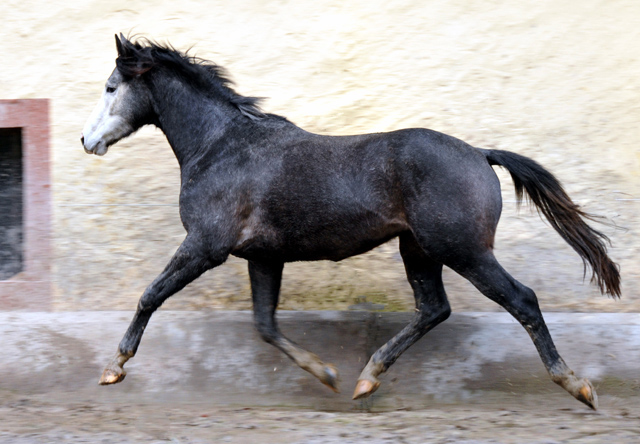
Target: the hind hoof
(587, 394)
(364, 388)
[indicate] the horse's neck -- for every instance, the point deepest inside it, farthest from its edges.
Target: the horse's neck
(190, 121)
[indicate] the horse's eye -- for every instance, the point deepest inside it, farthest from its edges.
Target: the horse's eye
(111, 89)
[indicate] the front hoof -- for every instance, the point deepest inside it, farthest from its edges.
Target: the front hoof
(331, 378)
(364, 388)
(587, 394)
(112, 375)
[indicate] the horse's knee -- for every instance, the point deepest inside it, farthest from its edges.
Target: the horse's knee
(149, 301)
(430, 315)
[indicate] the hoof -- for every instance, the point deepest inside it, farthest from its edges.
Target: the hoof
(364, 388)
(331, 378)
(587, 394)
(112, 375)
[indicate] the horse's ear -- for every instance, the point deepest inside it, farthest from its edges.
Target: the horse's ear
(124, 46)
(119, 45)
(131, 61)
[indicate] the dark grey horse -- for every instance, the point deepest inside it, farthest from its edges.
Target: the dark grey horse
(256, 186)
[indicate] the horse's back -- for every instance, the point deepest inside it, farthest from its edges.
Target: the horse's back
(333, 197)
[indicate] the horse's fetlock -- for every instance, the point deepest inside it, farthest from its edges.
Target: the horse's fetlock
(125, 353)
(558, 378)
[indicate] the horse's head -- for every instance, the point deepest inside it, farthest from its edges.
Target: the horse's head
(125, 104)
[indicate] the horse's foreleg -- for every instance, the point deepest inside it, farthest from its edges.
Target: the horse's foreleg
(187, 264)
(432, 307)
(265, 289)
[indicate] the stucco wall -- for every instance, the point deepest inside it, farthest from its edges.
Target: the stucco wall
(557, 81)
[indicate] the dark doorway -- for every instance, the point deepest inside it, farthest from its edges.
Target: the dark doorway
(11, 214)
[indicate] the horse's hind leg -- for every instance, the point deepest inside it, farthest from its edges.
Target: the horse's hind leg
(494, 282)
(265, 289)
(187, 264)
(432, 307)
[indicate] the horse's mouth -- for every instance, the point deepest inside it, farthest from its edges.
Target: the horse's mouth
(99, 149)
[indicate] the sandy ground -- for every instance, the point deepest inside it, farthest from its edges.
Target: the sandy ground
(31, 421)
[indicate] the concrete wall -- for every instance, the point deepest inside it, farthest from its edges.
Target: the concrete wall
(557, 81)
(218, 359)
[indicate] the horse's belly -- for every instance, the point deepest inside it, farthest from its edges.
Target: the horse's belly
(326, 242)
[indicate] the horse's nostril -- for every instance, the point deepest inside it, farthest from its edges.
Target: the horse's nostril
(82, 138)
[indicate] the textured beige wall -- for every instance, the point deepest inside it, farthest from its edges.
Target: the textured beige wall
(557, 81)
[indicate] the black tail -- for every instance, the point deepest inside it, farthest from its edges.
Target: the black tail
(546, 192)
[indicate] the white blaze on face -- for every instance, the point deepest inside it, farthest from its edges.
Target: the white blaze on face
(106, 125)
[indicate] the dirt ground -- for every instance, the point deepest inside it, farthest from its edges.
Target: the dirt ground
(534, 420)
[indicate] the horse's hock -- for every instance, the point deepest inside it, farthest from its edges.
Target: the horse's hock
(25, 214)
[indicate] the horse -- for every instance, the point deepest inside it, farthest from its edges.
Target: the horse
(256, 186)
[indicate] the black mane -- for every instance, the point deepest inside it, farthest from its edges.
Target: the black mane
(142, 55)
